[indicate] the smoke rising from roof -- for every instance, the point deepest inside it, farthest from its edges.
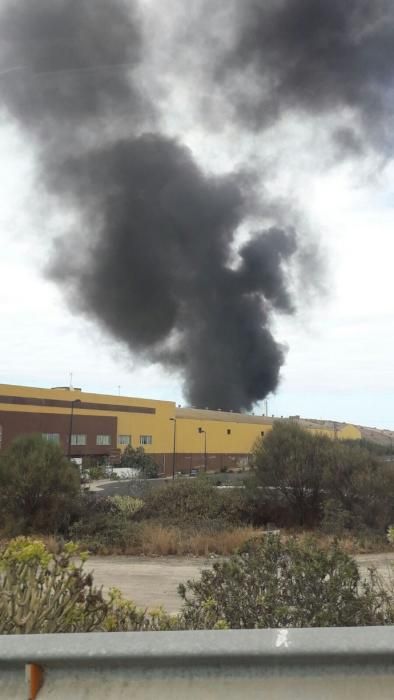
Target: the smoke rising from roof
(157, 260)
(159, 275)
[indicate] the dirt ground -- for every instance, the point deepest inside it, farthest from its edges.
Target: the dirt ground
(149, 582)
(152, 582)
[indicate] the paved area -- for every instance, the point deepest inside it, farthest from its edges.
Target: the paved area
(152, 582)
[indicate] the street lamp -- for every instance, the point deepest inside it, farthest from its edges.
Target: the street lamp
(173, 450)
(204, 432)
(73, 403)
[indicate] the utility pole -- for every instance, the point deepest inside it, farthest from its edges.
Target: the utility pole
(174, 449)
(204, 432)
(70, 432)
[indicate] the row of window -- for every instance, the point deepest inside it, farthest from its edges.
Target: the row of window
(126, 440)
(100, 439)
(80, 440)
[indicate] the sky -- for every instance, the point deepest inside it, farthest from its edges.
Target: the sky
(339, 344)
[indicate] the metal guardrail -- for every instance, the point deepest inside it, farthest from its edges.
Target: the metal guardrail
(312, 664)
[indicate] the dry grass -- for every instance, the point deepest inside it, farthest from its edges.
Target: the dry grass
(158, 540)
(348, 543)
(169, 541)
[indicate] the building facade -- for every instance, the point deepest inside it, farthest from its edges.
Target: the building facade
(98, 425)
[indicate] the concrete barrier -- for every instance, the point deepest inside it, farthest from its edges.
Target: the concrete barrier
(312, 664)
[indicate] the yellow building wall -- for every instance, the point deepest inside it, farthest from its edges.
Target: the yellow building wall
(240, 441)
(135, 424)
(244, 430)
(350, 432)
(158, 426)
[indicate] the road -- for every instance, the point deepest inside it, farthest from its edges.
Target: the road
(152, 582)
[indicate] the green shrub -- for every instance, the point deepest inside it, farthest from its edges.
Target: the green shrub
(106, 522)
(38, 487)
(127, 505)
(195, 504)
(291, 461)
(135, 458)
(102, 532)
(309, 480)
(97, 472)
(272, 583)
(361, 487)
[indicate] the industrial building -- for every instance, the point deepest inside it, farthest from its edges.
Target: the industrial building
(99, 425)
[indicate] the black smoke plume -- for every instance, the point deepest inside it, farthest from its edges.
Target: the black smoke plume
(159, 278)
(153, 259)
(317, 57)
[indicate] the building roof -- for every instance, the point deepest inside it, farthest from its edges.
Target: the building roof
(230, 416)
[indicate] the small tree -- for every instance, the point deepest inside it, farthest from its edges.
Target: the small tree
(291, 460)
(38, 485)
(360, 486)
(135, 458)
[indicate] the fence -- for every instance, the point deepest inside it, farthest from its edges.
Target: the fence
(310, 664)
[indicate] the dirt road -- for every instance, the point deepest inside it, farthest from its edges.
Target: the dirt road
(152, 582)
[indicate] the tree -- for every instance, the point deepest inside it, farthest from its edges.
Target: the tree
(277, 583)
(358, 487)
(135, 458)
(38, 485)
(291, 460)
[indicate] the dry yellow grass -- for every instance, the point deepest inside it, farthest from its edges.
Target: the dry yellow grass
(158, 540)
(348, 543)
(225, 542)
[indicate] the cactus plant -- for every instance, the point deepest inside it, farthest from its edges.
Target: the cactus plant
(42, 592)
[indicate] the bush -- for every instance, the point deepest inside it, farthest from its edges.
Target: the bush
(38, 486)
(97, 471)
(137, 459)
(291, 460)
(128, 506)
(309, 479)
(195, 504)
(107, 522)
(272, 583)
(358, 487)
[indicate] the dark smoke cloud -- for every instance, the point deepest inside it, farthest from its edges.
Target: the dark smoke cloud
(319, 57)
(68, 63)
(159, 276)
(153, 260)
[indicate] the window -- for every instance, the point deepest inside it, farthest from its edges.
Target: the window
(145, 439)
(103, 440)
(228, 431)
(51, 437)
(124, 439)
(78, 439)
(262, 433)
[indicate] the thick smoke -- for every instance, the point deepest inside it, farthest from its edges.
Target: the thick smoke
(67, 64)
(320, 57)
(159, 276)
(153, 261)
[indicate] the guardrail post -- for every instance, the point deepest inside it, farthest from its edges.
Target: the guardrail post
(35, 679)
